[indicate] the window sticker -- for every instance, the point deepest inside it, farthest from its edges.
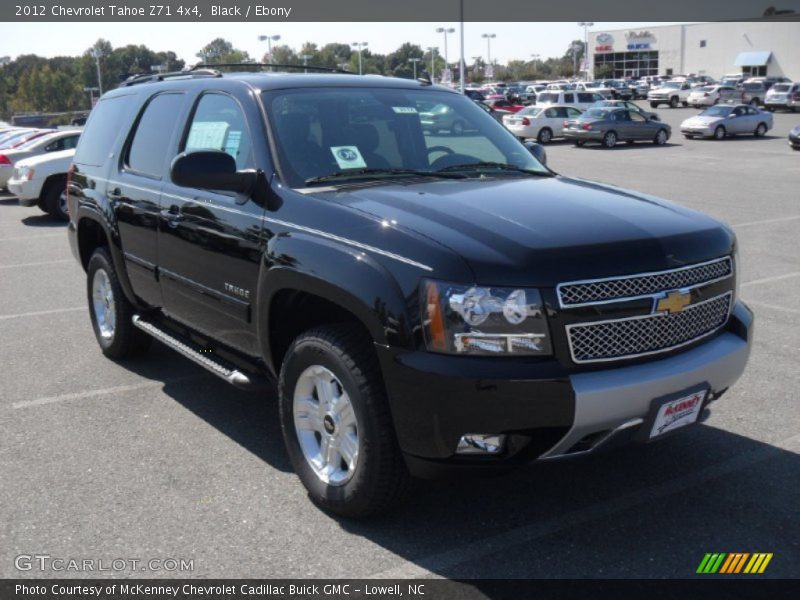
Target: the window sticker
(207, 134)
(404, 110)
(348, 157)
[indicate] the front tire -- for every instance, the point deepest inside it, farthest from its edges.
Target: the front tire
(661, 137)
(673, 102)
(610, 139)
(336, 423)
(654, 105)
(719, 133)
(111, 311)
(761, 130)
(55, 200)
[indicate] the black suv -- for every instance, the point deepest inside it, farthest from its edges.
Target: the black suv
(424, 301)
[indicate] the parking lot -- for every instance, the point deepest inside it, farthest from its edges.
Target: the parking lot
(156, 458)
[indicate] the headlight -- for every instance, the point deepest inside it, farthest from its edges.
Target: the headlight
(24, 173)
(463, 319)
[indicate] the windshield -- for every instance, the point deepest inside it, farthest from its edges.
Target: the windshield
(378, 133)
(675, 85)
(717, 111)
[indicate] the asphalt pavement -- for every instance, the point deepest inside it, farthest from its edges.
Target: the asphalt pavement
(157, 459)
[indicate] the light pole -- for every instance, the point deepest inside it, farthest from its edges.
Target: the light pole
(414, 62)
(305, 58)
(269, 39)
(575, 48)
(360, 46)
(98, 54)
(586, 25)
(489, 37)
(444, 31)
(432, 50)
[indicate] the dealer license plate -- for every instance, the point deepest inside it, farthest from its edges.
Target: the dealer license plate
(677, 413)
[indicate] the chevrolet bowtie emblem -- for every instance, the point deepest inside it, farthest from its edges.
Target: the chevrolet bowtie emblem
(674, 302)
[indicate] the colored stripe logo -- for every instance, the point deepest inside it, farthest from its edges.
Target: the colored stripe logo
(734, 563)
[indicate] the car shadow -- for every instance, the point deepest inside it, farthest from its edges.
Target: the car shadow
(625, 146)
(649, 506)
(42, 221)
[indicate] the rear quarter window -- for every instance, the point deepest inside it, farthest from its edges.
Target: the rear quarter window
(109, 119)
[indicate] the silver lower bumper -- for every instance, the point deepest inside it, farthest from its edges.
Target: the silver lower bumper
(609, 402)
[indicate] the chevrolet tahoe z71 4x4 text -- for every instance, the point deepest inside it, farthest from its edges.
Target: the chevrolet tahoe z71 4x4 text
(424, 301)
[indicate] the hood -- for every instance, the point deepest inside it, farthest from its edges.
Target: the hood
(543, 231)
(50, 158)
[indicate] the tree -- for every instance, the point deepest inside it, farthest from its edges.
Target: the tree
(222, 51)
(399, 64)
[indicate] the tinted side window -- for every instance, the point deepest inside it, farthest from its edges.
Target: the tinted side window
(569, 98)
(148, 149)
(584, 98)
(102, 129)
(219, 124)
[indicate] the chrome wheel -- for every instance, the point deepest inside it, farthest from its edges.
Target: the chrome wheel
(103, 304)
(326, 425)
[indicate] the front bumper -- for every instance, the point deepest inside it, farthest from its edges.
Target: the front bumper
(27, 192)
(544, 411)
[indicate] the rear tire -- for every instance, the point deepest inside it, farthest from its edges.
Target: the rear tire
(545, 135)
(654, 105)
(111, 311)
(340, 358)
(55, 200)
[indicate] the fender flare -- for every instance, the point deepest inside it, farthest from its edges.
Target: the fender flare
(348, 278)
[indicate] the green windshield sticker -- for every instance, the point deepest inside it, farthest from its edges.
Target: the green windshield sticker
(348, 157)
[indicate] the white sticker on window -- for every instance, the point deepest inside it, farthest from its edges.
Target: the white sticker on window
(207, 135)
(348, 157)
(404, 110)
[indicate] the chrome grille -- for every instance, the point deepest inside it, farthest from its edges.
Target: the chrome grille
(636, 336)
(616, 288)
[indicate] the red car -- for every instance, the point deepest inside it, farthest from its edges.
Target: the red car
(503, 105)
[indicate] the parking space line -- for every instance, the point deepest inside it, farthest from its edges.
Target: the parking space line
(33, 237)
(477, 549)
(41, 312)
(771, 279)
(37, 264)
(774, 307)
(767, 221)
(119, 389)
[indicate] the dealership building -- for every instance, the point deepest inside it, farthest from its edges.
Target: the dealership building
(757, 48)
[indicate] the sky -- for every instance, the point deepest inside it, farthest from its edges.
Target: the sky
(513, 41)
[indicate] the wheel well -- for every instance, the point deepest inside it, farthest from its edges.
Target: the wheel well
(292, 312)
(90, 237)
(50, 181)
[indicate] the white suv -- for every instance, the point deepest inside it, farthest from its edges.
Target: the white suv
(577, 99)
(41, 181)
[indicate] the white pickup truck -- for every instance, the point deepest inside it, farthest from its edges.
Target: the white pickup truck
(670, 92)
(41, 181)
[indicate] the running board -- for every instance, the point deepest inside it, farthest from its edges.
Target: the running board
(208, 360)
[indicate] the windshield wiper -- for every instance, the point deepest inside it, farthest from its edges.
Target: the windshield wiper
(356, 173)
(476, 166)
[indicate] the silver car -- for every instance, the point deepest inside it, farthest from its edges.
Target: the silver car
(727, 119)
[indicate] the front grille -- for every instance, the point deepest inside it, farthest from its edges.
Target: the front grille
(637, 336)
(644, 284)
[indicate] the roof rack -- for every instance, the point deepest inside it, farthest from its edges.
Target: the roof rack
(215, 66)
(136, 79)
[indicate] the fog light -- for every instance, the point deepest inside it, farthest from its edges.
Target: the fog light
(481, 443)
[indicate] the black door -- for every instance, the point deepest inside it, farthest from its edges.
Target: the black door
(134, 189)
(210, 243)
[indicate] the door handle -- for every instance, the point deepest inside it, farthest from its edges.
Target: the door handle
(172, 215)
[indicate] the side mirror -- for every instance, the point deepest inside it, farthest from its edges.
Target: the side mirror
(733, 115)
(211, 170)
(538, 151)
